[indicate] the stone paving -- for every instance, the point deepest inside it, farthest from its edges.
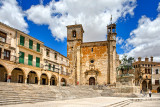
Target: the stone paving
(85, 102)
(145, 104)
(94, 102)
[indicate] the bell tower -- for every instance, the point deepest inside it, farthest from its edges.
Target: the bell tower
(111, 38)
(111, 32)
(74, 40)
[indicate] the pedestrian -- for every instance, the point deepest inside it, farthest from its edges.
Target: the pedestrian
(9, 79)
(150, 93)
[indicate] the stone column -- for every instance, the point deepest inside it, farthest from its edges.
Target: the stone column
(25, 80)
(39, 82)
(49, 82)
(2, 55)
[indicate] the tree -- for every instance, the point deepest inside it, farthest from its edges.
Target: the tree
(126, 64)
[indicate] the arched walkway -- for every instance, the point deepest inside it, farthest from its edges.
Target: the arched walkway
(149, 85)
(144, 86)
(17, 75)
(91, 81)
(53, 80)
(158, 90)
(3, 74)
(44, 79)
(32, 78)
(63, 82)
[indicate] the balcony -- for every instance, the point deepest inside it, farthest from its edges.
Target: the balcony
(65, 73)
(14, 59)
(34, 48)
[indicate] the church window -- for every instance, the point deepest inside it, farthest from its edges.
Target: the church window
(74, 33)
(92, 61)
(91, 49)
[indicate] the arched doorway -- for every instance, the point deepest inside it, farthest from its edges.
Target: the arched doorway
(44, 79)
(53, 80)
(3, 74)
(158, 90)
(144, 86)
(149, 85)
(91, 81)
(32, 78)
(63, 82)
(17, 75)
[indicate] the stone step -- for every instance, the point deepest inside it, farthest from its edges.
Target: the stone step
(120, 104)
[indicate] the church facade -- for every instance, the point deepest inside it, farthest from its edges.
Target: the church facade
(92, 63)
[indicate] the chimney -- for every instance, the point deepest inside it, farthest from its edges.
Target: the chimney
(151, 58)
(139, 58)
(146, 59)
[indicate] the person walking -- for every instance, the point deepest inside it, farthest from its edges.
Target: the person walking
(150, 93)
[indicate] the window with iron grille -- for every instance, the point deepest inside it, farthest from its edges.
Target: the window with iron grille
(156, 82)
(3, 36)
(6, 54)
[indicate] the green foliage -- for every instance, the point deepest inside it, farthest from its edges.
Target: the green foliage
(126, 64)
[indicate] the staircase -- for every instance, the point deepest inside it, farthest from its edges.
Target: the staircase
(16, 93)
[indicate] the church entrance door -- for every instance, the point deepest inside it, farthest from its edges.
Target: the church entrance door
(91, 81)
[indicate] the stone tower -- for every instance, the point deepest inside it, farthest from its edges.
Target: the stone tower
(74, 40)
(111, 38)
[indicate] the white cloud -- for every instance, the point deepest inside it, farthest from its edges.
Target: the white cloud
(144, 41)
(119, 40)
(93, 15)
(12, 15)
(158, 9)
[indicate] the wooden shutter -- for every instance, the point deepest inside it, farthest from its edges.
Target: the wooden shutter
(38, 47)
(30, 44)
(22, 40)
(30, 58)
(21, 58)
(37, 62)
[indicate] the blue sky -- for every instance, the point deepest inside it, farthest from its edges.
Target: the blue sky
(46, 20)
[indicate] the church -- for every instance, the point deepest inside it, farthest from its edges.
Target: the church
(92, 63)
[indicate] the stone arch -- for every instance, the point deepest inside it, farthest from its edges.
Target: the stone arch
(158, 90)
(63, 82)
(18, 75)
(44, 79)
(32, 77)
(5, 66)
(3, 73)
(91, 81)
(53, 80)
(144, 85)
